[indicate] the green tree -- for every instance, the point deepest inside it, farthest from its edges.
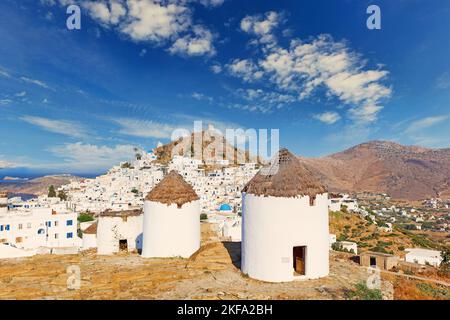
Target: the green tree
(51, 191)
(126, 165)
(444, 268)
(344, 208)
(62, 195)
(85, 217)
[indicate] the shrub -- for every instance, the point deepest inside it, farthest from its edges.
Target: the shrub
(362, 292)
(85, 217)
(429, 290)
(379, 249)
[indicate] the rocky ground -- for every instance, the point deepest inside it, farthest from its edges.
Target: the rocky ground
(212, 273)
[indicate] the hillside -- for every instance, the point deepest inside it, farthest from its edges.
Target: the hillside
(211, 140)
(403, 172)
(352, 227)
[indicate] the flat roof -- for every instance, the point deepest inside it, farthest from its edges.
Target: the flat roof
(380, 254)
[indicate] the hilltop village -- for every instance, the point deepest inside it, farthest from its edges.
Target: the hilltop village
(291, 222)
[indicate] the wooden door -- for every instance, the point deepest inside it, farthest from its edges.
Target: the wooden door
(299, 260)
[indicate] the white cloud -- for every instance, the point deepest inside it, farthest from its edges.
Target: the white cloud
(443, 82)
(262, 26)
(36, 82)
(144, 128)
(5, 164)
(216, 68)
(21, 94)
(245, 69)
(5, 102)
(329, 117)
(306, 66)
(201, 96)
(79, 156)
(263, 100)
(107, 13)
(197, 44)
(64, 127)
(5, 74)
(142, 53)
(211, 3)
(426, 123)
(155, 21)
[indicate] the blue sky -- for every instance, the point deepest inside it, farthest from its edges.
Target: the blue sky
(79, 101)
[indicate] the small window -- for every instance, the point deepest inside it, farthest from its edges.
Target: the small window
(20, 227)
(29, 225)
(69, 235)
(1, 228)
(7, 227)
(48, 224)
(69, 222)
(56, 236)
(56, 223)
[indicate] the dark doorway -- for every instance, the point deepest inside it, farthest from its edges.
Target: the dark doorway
(299, 254)
(373, 261)
(123, 245)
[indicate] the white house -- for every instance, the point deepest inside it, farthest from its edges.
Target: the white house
(285, 233)
(336, 203)
(35, 228)
(119, 231)
(423, 256)
(171, 219)
(348, 246)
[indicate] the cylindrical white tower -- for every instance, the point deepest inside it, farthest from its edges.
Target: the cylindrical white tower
(171, 219)
(285, 223)
(3, 202)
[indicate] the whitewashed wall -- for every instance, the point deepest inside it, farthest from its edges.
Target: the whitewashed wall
(170, 231)
(89, 241)
(112, 229)
(272, 226)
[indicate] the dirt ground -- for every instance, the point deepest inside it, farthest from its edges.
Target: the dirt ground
(212, 273)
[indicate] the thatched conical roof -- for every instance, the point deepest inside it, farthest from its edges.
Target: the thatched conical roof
(285, 177)
(172, 189)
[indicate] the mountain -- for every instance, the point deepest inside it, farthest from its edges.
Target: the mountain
(38, 186)
(403, 172)
(209, 140)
